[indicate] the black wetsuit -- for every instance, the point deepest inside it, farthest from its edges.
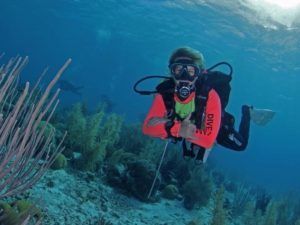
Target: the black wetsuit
(229, 137)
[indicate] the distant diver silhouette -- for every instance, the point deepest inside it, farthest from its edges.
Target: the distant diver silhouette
(68, 86)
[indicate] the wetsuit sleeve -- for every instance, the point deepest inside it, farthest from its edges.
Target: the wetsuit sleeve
(158, 109)
(206, 137)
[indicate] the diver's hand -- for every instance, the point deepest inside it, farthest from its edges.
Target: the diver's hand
(187, 129)
(157, 120)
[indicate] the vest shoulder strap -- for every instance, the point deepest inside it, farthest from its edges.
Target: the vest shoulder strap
(202, 91)
(166, 89)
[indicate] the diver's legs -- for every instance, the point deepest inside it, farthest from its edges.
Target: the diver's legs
(229, 137)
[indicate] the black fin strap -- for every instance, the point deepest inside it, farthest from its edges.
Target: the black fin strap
(169, 104)
(187, 152)
(200, 103)
(168, 126)
(201, 153)
(184, 148)
(166, 89)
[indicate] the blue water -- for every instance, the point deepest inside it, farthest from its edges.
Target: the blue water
(115, 42)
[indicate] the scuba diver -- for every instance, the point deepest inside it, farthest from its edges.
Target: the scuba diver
(68, 86)
(175, 113)
(190, 107)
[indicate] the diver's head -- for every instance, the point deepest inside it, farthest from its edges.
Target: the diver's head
(185, 66)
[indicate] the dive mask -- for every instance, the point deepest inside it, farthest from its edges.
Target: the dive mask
(184, 71)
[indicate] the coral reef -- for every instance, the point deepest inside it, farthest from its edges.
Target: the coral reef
(90, 136)
(242, 196)
(175, 170)
(197, 190)
(17, 212)
(132, 140)
(262, 199)
(103, 221)
(251, 216)
(270, 214)
(219, 213)
(24, 141)
(100, 146)
(60, 162)
(135, 177)
(170, 192)
(49, 129)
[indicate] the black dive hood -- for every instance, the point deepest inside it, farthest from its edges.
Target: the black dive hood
(202, 74)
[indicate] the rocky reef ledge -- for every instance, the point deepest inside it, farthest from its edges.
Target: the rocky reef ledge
(82, 198)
